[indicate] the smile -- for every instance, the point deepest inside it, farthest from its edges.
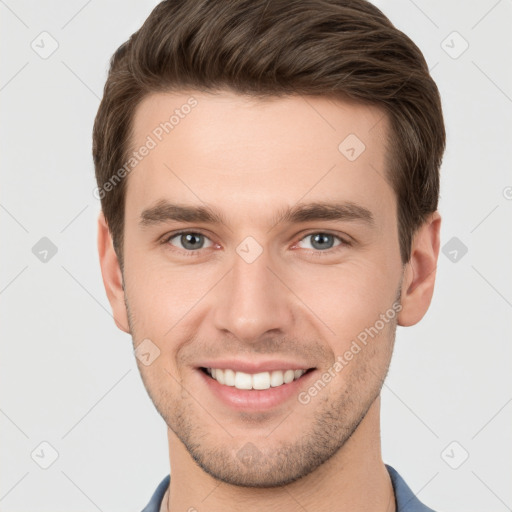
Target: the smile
(256, 381)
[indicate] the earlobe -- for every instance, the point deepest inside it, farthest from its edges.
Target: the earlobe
(420, 272)
(111, 274)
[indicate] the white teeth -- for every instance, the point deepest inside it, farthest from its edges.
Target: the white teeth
(289, 375)
(263, 380)
(219, 376)
(243, 381)
(229, 377)
(276, 379)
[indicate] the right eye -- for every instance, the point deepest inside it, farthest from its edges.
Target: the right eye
(189, 240)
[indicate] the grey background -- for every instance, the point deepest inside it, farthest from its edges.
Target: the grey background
(69, 376)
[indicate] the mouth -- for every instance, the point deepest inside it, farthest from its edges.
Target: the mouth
(255, 391)
(254, 381)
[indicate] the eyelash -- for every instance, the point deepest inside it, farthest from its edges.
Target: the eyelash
(196, 252)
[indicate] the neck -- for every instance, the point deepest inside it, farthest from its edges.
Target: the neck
(354, 479)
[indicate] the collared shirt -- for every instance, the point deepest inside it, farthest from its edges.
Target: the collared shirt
(405, 499)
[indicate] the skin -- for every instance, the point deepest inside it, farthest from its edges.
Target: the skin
(248, 159)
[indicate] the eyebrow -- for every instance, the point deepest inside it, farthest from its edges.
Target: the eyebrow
(164, 211)
(325, 211)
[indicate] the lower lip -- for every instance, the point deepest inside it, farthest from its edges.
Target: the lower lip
(256, 399)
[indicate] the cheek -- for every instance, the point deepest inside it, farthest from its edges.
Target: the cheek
(161, 295)
(346, 299)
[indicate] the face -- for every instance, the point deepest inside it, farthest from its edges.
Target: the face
(259, 238)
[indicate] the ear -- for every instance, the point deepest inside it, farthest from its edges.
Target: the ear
(112, 276)
(420, 272)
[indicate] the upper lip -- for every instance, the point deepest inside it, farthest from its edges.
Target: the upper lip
(255, 367)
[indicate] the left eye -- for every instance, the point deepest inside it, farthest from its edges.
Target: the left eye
(321, 241)
(191, 241)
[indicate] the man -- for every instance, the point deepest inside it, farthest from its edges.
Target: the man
(269, 179)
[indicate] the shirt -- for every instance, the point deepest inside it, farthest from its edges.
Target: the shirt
(405, 499)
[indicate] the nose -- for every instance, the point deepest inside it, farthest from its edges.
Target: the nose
(252, 301)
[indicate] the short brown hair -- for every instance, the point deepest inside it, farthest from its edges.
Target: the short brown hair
(337, 48)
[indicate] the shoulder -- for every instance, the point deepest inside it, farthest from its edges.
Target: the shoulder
(406, 500)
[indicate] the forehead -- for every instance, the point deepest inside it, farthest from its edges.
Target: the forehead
(267, 152)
